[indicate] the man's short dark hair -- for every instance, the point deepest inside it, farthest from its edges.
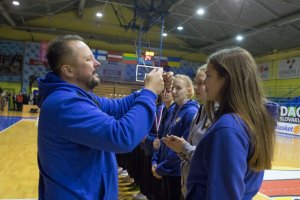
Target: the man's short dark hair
(59, 49)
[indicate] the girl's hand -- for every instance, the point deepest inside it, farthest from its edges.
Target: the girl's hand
(175, 143)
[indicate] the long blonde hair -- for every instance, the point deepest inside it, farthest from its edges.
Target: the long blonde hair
(243, 94)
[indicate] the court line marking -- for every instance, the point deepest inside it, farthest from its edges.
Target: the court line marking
(263, 195)
(11, 126)
(16, 124)
(18, 199)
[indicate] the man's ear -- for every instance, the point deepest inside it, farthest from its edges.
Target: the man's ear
(67, 70)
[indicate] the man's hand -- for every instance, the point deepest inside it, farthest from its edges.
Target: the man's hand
(154, 81)
(175, 143)
(168, 80)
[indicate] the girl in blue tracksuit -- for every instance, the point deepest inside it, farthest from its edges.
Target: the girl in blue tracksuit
(230, 160)
(158, 185)
(165, 162)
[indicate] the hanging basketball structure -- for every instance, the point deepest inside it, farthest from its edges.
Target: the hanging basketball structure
(149, 58)
(144, 18)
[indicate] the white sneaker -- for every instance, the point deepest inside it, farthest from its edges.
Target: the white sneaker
(120, 169)
(139, 196)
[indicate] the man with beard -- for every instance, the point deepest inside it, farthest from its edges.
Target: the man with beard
(79, 132)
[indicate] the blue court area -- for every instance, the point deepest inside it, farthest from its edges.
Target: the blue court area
(7, 121)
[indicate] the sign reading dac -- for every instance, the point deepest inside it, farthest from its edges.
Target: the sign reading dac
(290, 114)
(289, 120)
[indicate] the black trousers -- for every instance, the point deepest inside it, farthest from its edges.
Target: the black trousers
(173, 187)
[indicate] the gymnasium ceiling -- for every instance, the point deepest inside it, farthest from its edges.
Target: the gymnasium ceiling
(266, 25)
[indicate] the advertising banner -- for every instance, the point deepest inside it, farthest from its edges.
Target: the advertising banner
(293, 129)
(289, 68)
(11, 59)
(264, 70)
(289, 119)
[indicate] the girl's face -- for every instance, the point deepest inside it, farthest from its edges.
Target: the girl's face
(199, 86)
(180, 91)
(213, 83)
(167, 97)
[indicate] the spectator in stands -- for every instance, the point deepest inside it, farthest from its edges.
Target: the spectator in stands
(230, 160)
(14, 96)
(25, 98)
(1, 90)
(8, 97)
(165, 162)
(35, 95)
(2, 100)
(30, 98)
(79, 132)
(19, 101)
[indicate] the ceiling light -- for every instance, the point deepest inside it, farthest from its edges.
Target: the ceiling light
(200, 11)
(180, 28)
(165, 34)
(99, 14)
(239, 38)
(16, 3)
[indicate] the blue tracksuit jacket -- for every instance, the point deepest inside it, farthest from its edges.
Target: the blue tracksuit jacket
(219, 168)
(147, 146)
(79, 133)
(168, 162)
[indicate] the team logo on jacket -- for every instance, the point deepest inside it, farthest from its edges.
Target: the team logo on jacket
(177, 120)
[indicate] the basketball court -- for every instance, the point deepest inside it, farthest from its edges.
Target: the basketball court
(19, 171)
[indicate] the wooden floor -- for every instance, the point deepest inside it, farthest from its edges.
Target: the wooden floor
(18, 114)
(18, 168)
(18, 162)
(287, 152)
